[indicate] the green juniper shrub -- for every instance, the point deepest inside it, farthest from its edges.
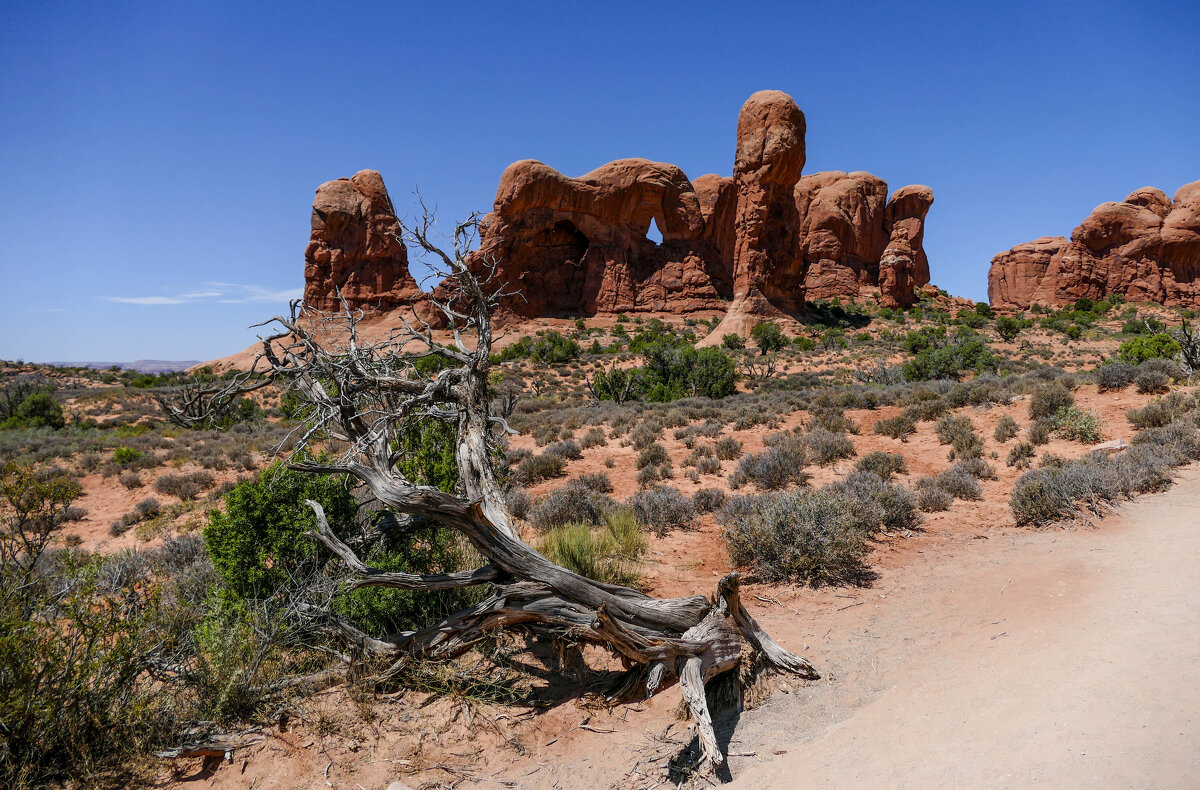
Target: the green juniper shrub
(768, 337)
(733, 342)
(1008, 327)
(1143, 347)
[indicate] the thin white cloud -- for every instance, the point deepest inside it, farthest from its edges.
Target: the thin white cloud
(222, 293)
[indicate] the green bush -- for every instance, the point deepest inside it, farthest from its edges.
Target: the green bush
(39, 410)
(1155, 346)
(970, 354)
(126, 455)
(768, 337)
(259, 539)
(733, 342)
(1077, 425)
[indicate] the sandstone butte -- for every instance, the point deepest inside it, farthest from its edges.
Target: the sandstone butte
(757, 244)
(1146, 247)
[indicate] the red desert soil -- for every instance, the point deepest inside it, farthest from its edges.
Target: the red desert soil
(982, 657)
(1057, 658)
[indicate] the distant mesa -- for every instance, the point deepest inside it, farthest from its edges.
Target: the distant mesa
(1146, 247)
(756, 244)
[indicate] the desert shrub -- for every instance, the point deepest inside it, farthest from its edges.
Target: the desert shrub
(597, 481)
(967, 354)
(774, 468)
(1008, 327)
(607, 554)
(1114, 376)
(708, 466)
(883, 464)
(810, 537)
(593, 438)
(568, 449)
(574, 503)
(900, 427)
(546, 434)
(1006, 428)
(706, 500)
(932, 499)
(1040, 432)
(663, 509)
(518, 501)
(975, 467)
(1143, 347)
(823, 447)
(884, 505)
(1020, 455)
(536, 468)
(126, 455)
(652, 455)
(184, 486)
(131, 480)
(959, 432)
(1077, 425)
(959, 484)
(649, 476)
(831, 419)
(1152, 382)
(727, 448)
(143, 511)
(645, 434)
(1177, 441)
(1048, 399)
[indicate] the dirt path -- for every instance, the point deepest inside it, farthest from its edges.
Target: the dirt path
(1065, 660)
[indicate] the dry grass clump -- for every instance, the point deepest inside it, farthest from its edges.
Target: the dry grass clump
(608, 553)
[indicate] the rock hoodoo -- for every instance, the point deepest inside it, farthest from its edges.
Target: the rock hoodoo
(758, 243)
(355, 245)
(1146, 247)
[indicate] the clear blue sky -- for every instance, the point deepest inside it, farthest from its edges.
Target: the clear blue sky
(167, 153)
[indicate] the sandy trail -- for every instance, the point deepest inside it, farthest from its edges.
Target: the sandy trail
(1067, 659)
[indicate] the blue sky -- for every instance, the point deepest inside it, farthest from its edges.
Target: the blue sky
(159, 158)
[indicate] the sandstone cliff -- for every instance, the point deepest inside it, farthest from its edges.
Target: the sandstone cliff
(1146, 247)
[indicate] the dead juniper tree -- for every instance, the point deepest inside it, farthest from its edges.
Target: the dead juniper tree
(363, 395)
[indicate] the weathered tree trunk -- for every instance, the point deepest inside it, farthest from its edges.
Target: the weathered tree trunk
(364, 394)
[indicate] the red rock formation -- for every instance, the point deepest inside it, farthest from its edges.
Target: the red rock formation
(355, 245)
(1147, 248)
(575, 246)
(897, 268)
(764, 237)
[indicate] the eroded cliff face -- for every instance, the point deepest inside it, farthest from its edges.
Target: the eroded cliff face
(355, 245)
(759, 242)
(1146, 247)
